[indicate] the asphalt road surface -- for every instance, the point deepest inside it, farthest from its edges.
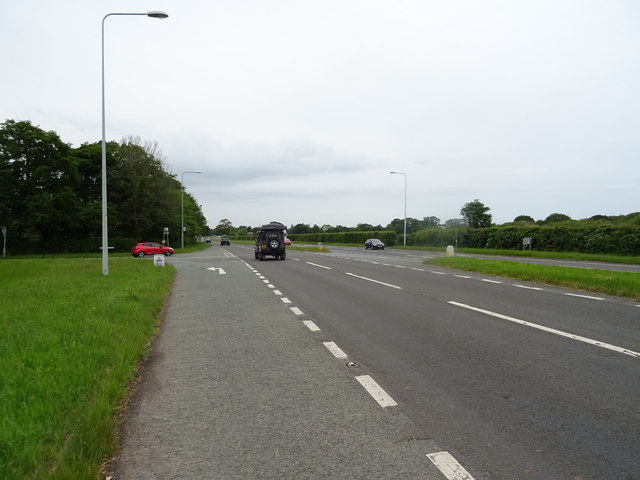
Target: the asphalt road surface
(260, 372)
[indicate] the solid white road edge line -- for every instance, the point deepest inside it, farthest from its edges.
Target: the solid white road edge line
(590, 341)
(374, 281)
(316, 265)
(311, 326)
(376, 391)
(449, 466)
(336, 350)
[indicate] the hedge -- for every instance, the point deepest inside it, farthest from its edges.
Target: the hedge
(389, 238)
(592, 237)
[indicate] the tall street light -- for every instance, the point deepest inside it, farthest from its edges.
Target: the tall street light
(405, 204)
(105, 235)
(182, 209)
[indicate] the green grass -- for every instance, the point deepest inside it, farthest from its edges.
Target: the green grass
(70, 341)
(623, 284)
(319, 248)
(594, 257)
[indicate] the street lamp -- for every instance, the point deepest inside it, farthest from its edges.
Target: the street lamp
(105, 235)
(182, 208)
(405, 204)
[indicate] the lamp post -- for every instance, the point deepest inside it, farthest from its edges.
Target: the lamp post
(405, 204)
(182, 208)
(105, 234)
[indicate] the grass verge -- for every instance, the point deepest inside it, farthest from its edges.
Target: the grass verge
(318, 248)
(622, 284)
(586, 257)
(70, 341)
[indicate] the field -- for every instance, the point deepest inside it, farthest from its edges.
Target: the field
(70, 342)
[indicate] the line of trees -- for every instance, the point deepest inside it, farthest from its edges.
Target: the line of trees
(474, 229)
(50, 193)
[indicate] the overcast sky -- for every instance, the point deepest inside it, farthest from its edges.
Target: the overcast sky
(297, 110)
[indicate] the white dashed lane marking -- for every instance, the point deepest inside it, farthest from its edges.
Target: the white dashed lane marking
(376, 391)
(317, 265)
(311, 326)
(374, 281)
(449, 466)
(336, 350)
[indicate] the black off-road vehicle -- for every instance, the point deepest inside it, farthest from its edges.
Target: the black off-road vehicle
(270, 241)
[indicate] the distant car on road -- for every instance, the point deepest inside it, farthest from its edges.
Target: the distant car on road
(287, 241)
(151, 248)
(373, 244)
(224, 241)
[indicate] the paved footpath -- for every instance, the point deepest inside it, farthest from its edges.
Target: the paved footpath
(238, 387)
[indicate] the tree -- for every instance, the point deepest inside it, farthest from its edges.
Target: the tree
(38, 199)
(365, 227)
(524, 218)
(223, 228)
(428, 222)
(299, 229)
(476, 214)
(557, 217)
(456, 222)
(51, 195)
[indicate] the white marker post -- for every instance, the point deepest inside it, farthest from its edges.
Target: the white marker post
(158, 260)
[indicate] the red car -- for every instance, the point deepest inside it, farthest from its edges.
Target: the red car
(150, 248)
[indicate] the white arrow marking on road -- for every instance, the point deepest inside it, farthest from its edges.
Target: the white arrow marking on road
(220, 270)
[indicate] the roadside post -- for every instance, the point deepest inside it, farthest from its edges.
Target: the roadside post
(158, 260)
(450, 251)
(526, 241)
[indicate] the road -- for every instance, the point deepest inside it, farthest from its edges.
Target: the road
(515, 380)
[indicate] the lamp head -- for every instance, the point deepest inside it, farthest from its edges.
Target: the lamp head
(157, 14)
